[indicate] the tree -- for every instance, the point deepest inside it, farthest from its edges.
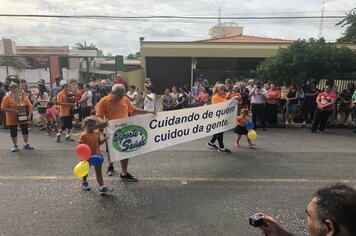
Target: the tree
(135, 56)
(84, 46)
(349, 36)
(12, 60)
(130, 56)
(307, 60)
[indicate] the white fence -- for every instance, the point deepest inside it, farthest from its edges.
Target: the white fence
(33, 75)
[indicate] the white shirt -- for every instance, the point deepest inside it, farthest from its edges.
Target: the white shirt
(149, 105)
(132, 95)
(44, 100)
(259, 96)
(88, 102)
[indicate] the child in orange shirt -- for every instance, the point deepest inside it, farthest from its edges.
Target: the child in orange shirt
(91, 137)
(241, 128)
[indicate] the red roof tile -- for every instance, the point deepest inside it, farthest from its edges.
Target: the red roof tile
(246, 39)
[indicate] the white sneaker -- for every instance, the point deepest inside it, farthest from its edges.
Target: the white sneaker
(287, 123)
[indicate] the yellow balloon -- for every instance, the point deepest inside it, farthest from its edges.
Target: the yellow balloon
(252, 135)
(81, 169)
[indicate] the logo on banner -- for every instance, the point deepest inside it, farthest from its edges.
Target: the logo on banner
(129, 138)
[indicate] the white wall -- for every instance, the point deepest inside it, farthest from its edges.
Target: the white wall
(31, 75)
(70, 74)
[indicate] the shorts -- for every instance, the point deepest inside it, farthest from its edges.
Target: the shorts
(282, 102)
(13, 130)
(42, 110)
(242, 130)
(345, 108)
(291, 108)
(67, 122)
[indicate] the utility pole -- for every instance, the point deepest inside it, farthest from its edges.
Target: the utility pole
(322, 20)
(219, 20)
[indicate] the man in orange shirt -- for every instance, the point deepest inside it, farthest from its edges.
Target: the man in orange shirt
(117, 106)
(66, 103)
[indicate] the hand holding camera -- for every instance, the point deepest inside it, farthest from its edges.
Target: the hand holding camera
(268, 225)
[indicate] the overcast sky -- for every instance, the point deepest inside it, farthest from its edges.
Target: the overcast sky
(121, 37)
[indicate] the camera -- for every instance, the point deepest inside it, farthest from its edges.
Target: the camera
(256, 220)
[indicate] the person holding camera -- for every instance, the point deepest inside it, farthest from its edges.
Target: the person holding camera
(258, 96)
(331, 212)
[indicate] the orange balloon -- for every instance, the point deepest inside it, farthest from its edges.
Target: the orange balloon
(83, 151)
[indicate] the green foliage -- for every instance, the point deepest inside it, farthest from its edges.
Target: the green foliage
(349, 36)
(307, 60)
(14, 61)
(135, 56)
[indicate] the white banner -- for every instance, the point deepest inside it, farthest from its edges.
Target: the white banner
(140, 134)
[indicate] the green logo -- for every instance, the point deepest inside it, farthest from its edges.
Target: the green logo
(129, 138)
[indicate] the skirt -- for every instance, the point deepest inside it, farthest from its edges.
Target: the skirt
(241, 130)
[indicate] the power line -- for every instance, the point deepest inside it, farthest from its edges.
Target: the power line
(169, 17)
(121, 31)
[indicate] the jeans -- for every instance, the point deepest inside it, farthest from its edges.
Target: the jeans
(320, 119)
(219, 137)
(271, 113)
(309, 111)
(258, 112)
(85, 112)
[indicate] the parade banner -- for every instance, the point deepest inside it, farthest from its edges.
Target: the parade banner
(140, 134)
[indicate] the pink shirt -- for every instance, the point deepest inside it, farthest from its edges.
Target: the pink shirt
(327, 98)
(51, 114)
(202, 99)
(274, 93)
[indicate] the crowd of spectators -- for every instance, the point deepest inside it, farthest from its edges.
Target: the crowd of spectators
(299, 105)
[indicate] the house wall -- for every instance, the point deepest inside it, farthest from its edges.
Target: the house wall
(134, 77)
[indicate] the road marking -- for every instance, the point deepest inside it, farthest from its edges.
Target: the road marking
(192, 179)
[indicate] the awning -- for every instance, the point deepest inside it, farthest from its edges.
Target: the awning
(99, 72)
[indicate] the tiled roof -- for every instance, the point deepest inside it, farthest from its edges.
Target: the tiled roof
(246, 39)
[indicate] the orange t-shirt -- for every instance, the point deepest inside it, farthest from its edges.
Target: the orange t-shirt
(241, 121)
(9, 101)
(233, 94)
(62, 97)
(217, 98)
(92, 140)
(112, 110)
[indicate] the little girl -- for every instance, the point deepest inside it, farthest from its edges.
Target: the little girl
(51, 117)
(91, 137)
(241, 128)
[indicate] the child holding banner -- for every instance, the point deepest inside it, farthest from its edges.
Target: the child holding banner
(241, 129)
(91, 137)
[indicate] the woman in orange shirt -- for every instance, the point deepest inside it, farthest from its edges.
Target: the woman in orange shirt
(18, 110)
(219, 91)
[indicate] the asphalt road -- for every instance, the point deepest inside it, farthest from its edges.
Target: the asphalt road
(187, 189)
